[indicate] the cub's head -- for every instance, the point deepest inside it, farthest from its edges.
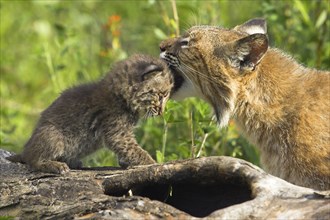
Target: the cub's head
(144, 82)
(210, 62)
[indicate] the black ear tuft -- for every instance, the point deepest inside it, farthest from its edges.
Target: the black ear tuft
(150, 70)
(248, 51)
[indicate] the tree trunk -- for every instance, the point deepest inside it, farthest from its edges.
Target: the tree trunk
(210, 187)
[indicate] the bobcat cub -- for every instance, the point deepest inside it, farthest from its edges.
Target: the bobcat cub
(84, 117)
(281, 106)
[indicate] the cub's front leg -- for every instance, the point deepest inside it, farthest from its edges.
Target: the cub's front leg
(127, 149)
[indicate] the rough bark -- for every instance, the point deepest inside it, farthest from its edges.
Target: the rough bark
(209, 187)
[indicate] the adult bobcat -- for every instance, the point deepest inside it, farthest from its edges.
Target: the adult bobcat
(281, 106)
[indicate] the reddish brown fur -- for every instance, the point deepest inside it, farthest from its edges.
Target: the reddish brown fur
(281, 106)
(284, 109)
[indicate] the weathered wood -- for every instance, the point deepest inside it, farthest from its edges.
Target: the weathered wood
(209, 187)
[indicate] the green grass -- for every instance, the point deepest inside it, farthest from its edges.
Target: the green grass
(48, 46)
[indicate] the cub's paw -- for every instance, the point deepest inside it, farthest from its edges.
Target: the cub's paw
(133, 163)
(52, 167)
(144, 159)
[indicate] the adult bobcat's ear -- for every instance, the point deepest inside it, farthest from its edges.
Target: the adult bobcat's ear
(150, 71)
(253, 26)
(247, 52)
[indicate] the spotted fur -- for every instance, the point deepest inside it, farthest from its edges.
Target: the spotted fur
(86, 117)
(281, 106)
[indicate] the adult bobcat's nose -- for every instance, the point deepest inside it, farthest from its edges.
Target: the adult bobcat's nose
(166, 44)
(163, 46)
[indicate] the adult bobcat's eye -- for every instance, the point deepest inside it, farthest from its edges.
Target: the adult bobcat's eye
(184, 42)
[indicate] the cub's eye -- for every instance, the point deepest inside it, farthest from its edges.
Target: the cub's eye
(184, 42)
(151, 71)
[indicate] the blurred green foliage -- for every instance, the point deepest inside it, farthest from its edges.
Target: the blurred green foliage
(50, 45)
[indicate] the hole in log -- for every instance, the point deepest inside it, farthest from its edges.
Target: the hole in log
(199, 200)
(195, 198)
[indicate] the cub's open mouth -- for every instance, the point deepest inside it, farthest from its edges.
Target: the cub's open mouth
(178, 79)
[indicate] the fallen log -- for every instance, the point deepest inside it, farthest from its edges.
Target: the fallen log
(209, 187)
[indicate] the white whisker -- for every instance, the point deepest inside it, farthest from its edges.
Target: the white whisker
(185, 75)
(209, 79)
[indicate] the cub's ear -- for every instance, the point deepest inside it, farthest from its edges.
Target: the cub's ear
(253, 26)
(151, 71)
(247, 52)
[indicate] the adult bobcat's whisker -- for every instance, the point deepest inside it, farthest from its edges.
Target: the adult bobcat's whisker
(209, 79)
(182, 71)
(197, 72)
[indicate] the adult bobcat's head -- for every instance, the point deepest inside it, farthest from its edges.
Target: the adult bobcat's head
(210, 62)
(144, 82)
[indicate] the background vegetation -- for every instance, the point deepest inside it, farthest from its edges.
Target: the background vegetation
(50, 45)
